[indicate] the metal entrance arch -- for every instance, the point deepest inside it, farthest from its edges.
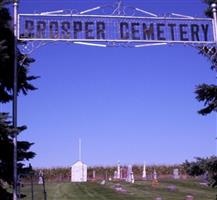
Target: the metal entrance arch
(125, 26)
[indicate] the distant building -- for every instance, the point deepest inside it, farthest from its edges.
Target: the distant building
(79, 172)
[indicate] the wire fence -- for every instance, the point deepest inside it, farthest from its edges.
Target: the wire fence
(30, 186)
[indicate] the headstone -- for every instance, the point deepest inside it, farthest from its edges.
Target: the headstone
(106, 175)
(189, 197)
(129, 175)
(204, 184)
(205, 177)
(94, 174)
(115, 174)
(40, 178)
(154, 175)
(79, 172)
(171, 187)
(121, 173)
(176, 174)
(144, 172)
(132, 178)
(154, 179)
(119, 188)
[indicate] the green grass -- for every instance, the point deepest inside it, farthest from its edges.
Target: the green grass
(141, 190)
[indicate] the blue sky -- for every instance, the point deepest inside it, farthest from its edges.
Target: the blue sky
(126, 104)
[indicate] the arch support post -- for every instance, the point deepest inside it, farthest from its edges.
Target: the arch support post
(14, 109)
(214, 11)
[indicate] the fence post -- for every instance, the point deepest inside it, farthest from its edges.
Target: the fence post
(45, 194)
(32, 189)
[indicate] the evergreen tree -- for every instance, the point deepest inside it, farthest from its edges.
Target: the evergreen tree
(203, 166)
(6, 59)
(6, 92)
(6, 154)
(204, 92)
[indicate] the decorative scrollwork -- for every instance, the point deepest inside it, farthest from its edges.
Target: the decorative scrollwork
(210, 51)
(119, 9)
(30, 46)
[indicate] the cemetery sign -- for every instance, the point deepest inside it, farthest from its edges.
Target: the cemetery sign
(112, 28)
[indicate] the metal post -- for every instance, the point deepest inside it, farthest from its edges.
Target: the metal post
(32, 187)
(44, 190)
(19, 187)
(214, 11)
(15, 5)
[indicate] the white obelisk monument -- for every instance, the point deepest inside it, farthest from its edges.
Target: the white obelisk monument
(118, 170)
(144, 172)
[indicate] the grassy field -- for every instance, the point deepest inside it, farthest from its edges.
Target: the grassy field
(141, 190)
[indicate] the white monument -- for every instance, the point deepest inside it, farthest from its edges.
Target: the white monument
(40, 178)
(79, 169)
(144, 176)
(129, 171)
(155, 175)
(118, 170)
(176, 174)
(115, 174)
(130, 175)
(132, 178)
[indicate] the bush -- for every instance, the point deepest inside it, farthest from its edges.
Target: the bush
(203, 166)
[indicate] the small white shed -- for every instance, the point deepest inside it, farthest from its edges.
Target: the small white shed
(79, 172)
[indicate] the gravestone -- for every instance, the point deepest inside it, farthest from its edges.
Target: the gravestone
(118, 187)
(155, 175)
(115, 175)
(129, 173)
(40, 178)
(189, 197)
(132, 178)
(176, 174)
(154, 179)
(94, 174)
(171, 187)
